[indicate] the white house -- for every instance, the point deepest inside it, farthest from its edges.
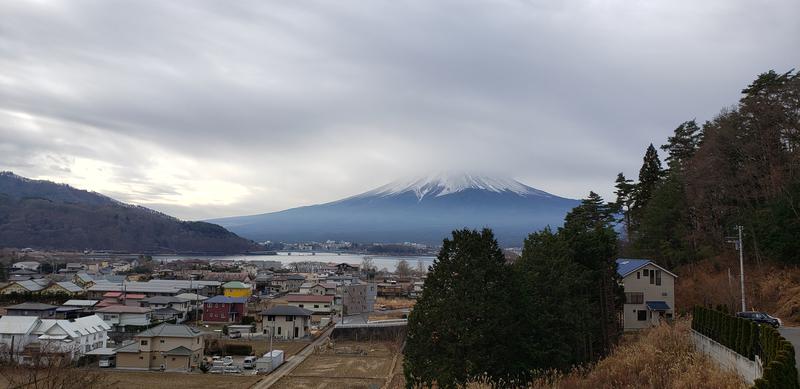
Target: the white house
(70, 337)
(26, 265)
(649, 293)
(120, 316)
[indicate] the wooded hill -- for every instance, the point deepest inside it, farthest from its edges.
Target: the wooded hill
(741, 168)
(46, 215)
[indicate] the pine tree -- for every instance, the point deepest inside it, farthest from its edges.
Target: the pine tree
(459, 328)
(625, 191)
(649, 176)
(682, 145)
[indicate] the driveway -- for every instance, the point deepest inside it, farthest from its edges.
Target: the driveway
(291, 362)
(792, 334)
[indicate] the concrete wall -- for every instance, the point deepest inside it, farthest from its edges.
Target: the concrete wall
(728, 359)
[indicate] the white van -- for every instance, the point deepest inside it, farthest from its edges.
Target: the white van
(249, 362)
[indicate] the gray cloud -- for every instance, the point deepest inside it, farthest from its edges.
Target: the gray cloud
(205, 109)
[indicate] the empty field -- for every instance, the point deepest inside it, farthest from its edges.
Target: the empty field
(119, 379)
(346, 364)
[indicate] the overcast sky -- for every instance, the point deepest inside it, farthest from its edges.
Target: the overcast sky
(207, 109)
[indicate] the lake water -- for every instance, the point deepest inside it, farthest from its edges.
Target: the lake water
(380, 261)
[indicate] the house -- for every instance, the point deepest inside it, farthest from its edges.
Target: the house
(119, 298)
(285, 283)
(65, 287)
(320, 306)
(26, 265)
(167, 347)
(27, 286)
(286, 322)
(237, 289)
(319, 289)
(167, 307)
(223, 309)
(416, 291)
(119, 316)
(24, 335)
(72, 309)
(83, 279)
(195, 300)
(649, 293)
(43, 311)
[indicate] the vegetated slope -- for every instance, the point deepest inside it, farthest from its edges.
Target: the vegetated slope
(421, 210)
(46, 215)
(770, 286)
(662, 358)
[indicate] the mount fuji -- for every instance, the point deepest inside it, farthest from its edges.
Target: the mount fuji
(423, 209)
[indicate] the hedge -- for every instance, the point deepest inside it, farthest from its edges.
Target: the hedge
(238, 349)
(750, 339)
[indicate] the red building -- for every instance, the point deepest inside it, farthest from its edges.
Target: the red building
(222, 309)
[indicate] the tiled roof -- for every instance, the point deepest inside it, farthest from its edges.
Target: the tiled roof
(180, 350)
(32, 307)
(170, 330)
(123, 309)
(286, 310)
(309, 298)
(627, 266)
(226, 300)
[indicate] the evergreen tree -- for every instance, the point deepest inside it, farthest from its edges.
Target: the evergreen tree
(682, 145)
(625, 191)
(649, 176)
(459, 328)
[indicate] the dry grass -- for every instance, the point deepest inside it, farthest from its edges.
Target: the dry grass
(662, 358)
(120, 379)
(770, 287)
(261, 346)
(317, 383)
(395, 303)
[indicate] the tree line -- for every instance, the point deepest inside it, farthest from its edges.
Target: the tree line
(553, 308)
(741, 168)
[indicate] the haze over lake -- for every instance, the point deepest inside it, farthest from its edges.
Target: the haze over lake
(381, 261)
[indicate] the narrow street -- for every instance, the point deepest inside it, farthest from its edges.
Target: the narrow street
(292, 362)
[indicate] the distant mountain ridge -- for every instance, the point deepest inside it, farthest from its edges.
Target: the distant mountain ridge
(422, 209)
(47, 215)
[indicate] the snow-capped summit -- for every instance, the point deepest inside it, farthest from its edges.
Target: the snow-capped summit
(446, 183)
(421, 209)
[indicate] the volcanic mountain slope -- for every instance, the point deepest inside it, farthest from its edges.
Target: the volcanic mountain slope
(423, 210)
(46, 215)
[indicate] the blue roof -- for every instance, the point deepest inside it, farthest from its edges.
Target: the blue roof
(626, 266)
(657, 306)
(226, 300)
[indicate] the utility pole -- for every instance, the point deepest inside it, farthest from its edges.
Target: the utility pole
(737, 241)
(740, 246)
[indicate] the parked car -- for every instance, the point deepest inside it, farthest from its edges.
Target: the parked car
(249, 362)
(235, 335)
(228, 360)
(760, 318)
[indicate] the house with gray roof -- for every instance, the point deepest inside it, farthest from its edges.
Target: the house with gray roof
(168, 347)
(286, 322)
(44, 311)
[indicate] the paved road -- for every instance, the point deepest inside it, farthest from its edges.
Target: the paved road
(291, 362)
(792, 334)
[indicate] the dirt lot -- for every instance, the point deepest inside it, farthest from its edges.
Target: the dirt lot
(118, 379)
(348, 365)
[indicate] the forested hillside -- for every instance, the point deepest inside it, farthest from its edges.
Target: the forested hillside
(741, 168)
(47, 215)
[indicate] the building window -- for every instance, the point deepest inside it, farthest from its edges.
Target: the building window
(289, 318)
(658, 277)
(316, 305)
(279, 330)
(638, 275)
(652, 277)
(144, 343)
(641, 315)
(634, 298)
(161, 341)
(644, 272)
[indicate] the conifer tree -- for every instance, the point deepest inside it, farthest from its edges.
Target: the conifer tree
(682, 145)
(459, 328)
(625, 192)
(649, 176)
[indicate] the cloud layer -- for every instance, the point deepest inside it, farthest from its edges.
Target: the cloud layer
(209, 109)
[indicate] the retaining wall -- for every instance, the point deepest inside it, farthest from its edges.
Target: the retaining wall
(729, 359)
